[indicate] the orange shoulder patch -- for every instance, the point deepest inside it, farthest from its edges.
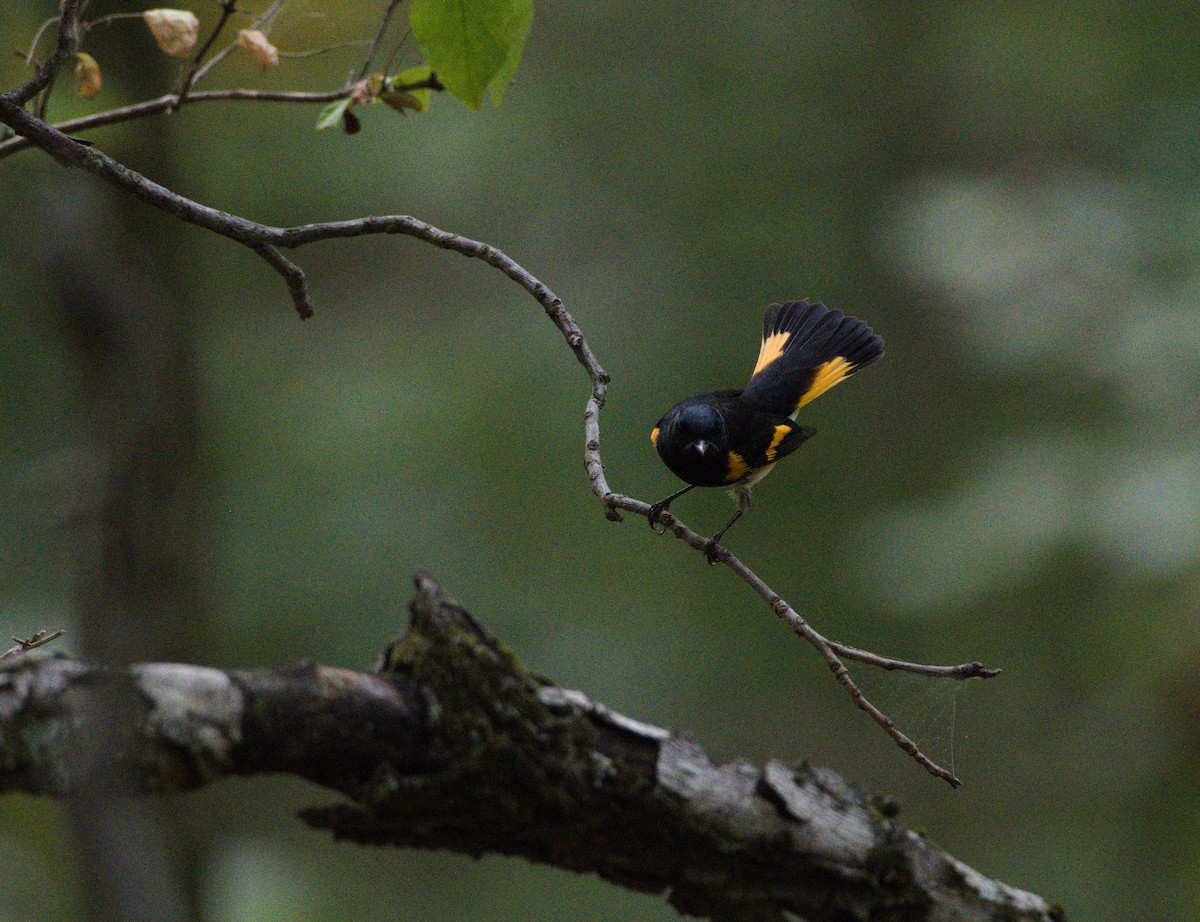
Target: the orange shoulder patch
(654, 437)
(780, 432)
(737, 468)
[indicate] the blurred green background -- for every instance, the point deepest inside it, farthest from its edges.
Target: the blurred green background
(1007, 192)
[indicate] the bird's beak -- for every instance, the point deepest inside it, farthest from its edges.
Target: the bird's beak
(702, 446)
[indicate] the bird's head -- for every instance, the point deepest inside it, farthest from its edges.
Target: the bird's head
(700, 432)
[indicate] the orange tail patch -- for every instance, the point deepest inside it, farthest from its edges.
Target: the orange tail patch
(825, 376)
(772, 348)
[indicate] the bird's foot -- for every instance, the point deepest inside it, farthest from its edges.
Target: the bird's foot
(656, 510)
(711, 550)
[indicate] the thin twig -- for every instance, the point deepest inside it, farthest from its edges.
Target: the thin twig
(292, 274)
(383, 27)
(37, 37)
(399, 47)
(829, 650)
(110, 18)
(43, 101)
(807, 632)
(170, 102)
(317, 52)
(972, 670)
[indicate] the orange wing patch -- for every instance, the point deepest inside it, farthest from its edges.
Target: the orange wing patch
(780, 432)
(772, 348)
(737, 469)
(654, 437)
(825, 376)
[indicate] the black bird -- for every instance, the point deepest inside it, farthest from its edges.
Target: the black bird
(733, 438)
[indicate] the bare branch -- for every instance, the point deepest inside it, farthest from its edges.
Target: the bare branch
(453, 743)
(171, 102)
(263, 240)
(292, 274)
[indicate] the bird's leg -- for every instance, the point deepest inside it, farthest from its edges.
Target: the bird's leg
(743, 504)
(661, 506)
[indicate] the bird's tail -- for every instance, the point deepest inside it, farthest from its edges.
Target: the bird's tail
(806, 350)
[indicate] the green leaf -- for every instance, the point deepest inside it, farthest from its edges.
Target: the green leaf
(332, 114)
(523, 10)
(472, 44)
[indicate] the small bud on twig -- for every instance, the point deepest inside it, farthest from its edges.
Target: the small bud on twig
(364, 90)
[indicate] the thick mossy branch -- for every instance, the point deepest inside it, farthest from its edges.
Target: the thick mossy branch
(508, 770)
(452, 743)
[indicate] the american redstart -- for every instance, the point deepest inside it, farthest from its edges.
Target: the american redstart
(733, 438)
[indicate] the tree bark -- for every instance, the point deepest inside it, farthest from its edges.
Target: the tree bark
(452, 743)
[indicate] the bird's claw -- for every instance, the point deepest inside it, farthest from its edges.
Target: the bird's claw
(656, 510)
(711, 549)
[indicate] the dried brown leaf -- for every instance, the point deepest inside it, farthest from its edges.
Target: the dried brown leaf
(175, 31)
(402, 101)
(254, 41)
(87, 75)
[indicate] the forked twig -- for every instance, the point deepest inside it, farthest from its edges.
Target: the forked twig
(269, 242)
(191, 70)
